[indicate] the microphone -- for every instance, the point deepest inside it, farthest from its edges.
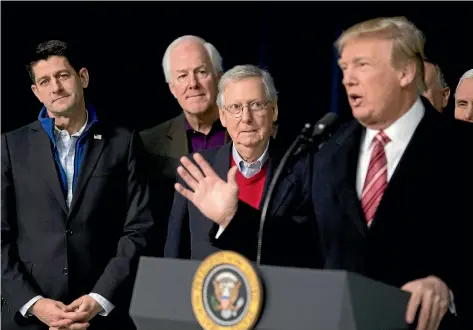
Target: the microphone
(321, 131)
(309, 136)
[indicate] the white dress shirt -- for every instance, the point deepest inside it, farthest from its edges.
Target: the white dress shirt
(248, 170)
(66, 147)
(400, 132)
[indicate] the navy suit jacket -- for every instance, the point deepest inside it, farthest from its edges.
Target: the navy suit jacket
(290, 234)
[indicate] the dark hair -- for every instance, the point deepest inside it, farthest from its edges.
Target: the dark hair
(50, 48)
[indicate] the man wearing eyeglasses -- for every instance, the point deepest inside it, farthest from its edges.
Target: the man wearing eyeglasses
(247, 102)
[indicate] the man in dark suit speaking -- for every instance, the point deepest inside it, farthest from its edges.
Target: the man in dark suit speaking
(75, 212)
(391, 190)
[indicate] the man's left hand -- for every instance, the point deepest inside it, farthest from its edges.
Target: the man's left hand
(432, 294)
(82, 309)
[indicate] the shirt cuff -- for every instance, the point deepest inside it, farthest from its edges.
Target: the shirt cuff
(219, 232)
(25, 310)
(106, 305)
(451, 305)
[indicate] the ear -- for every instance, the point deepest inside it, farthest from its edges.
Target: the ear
(223, 120)
(84, 77)
(407, 74)
(172, 88)
(446, 96)
(275, 112)
(34, 88)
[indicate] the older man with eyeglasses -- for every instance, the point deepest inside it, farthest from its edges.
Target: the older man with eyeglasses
(248, 108)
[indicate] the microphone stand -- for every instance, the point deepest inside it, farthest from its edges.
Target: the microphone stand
(304, 139)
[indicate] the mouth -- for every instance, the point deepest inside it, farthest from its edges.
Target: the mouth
(60, 98)
(194, 96)
(355, 99)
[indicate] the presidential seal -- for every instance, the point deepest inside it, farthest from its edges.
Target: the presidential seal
(226, 293)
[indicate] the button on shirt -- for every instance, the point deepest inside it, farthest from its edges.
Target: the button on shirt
(247, 170)
(66, 147)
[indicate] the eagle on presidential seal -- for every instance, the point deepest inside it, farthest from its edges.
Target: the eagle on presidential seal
(226, 299)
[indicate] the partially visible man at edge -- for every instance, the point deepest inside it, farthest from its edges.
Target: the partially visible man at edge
(437, 90)
(401, 222)
(464, 97)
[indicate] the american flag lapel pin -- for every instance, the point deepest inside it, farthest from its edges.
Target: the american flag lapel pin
(98, 136)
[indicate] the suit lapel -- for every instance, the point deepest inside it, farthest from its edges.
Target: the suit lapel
(42, 148)
(221, 163)
(285, 183)
(179, 145)
(411, 162)
(344, 167)
(93, 150)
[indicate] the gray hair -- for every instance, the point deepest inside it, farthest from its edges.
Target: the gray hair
(240, 72)
(213, 53)
(441, 78)
(466, 75)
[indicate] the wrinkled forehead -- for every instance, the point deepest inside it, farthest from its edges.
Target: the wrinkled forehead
(189, 56)
(465, 89)
(244, 90)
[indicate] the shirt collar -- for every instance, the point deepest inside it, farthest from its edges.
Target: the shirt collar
(258, 164)
(79, 133)
(217, 125)
(402, 129)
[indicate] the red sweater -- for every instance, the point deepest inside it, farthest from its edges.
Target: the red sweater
(251, 190)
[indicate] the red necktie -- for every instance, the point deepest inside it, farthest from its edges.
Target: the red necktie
(376, 179)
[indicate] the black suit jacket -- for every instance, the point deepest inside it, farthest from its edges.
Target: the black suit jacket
(420, 226)
(165, 144)
(290, 234)
(423, 225)
(61, 253)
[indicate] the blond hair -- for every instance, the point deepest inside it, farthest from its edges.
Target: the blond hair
(408, 42)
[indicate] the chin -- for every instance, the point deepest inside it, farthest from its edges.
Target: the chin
(61, 110)
(198, 109)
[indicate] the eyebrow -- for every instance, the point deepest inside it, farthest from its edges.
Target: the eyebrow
(355, 60)
(197, 68)
(55, 74)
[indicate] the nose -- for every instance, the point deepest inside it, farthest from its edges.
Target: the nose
(246, 115)
(193, 82)
(56, 85)
(469, 112)
(348, 78)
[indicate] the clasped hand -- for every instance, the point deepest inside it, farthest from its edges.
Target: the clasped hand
(58, 316)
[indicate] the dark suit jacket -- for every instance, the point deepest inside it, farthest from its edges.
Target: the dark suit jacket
(423, 225)
(165, 144)
(61, 253)
(290, 235)
(419, 226)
